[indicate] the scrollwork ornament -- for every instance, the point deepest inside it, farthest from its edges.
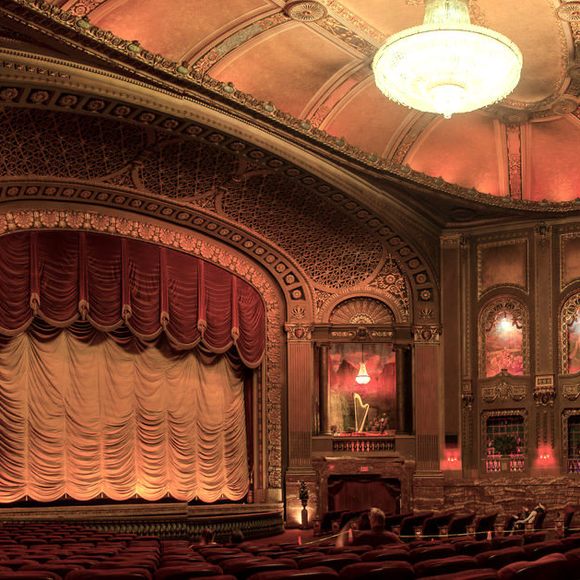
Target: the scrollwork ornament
(545, 391)
(298, 332)
(503, 390)
(427, 334)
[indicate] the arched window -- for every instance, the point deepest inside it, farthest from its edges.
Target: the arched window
(570, 336)
(503, 338)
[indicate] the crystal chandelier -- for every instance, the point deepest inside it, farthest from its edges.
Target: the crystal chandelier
(447, 65)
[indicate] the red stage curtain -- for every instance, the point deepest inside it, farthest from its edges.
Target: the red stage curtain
(112, 281)
(84, 413)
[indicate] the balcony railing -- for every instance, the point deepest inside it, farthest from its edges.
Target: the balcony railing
(514, 463)
(573, 465)
(363, 443)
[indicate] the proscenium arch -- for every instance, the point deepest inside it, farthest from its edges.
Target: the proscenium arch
(162, 111)
(14, 219)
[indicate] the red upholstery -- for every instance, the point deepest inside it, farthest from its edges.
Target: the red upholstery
(484, 574)
(317, 573)
(378, 570)
(335, 561)
(186, 571)
(507, 542)
(472, 547)
(385, 555)
(266, 566)
(30, 575)
(499, 558)
(432, 552)
(114, 574)
(539, 549)
(445, 566)
(552, 566)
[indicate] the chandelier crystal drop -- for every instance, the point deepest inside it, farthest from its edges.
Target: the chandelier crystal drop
(362, 378)
(447, 65)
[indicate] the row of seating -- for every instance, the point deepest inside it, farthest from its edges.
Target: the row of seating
(39, 552)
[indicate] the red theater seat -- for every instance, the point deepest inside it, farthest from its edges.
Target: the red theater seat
(484, 574)
(448, 565)
(335, 561)
(378, 570)
(186, 571)
(499, 558)
(507, 542)
(317, 573)
(432, 552)
(115, 574)
(244, 572)
(554, 566)
(385, 555)
(30, 575)
(472, 547)
(537, 550)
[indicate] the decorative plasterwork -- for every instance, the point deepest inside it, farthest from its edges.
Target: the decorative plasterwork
(481, 249)
(254, 161)
(298, 332)
(545, 391)
(427, 334)
(489, 315)
(569, 313)
(566, 279)
(128, 55)
(514, 154)
(571, 391)
(503, 389)
(467, 394)
(196, 245)
(362, 311)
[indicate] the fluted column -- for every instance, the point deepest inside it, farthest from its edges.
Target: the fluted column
(323, 394)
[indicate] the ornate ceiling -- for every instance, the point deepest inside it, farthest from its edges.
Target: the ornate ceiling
(312, 60)
(303, 70)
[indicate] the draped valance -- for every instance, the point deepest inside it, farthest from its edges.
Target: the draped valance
(111, 281)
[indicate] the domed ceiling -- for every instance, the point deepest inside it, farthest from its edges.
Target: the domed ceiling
(312, 60)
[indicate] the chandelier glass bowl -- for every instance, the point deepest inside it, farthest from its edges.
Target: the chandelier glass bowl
(447, 65)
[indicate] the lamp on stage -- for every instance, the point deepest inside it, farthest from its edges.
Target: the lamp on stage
(362, 378)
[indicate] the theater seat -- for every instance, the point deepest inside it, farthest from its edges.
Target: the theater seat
(112, 574)
(445, 566)
(30, 575)
(507, 542)
(386, 555)
(553, 566)
(377, 571)
(432, 552)
(254, 568)
(316, 573)
(335, 561)
(499, 558)
(185, 571)
(535, 551)
(483, 574)
(472, 547)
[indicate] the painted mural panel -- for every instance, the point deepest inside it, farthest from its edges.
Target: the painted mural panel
(504, 340)
(574, 344)
(503, 264)
(356, 407)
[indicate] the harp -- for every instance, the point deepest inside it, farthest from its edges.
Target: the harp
(361, 411)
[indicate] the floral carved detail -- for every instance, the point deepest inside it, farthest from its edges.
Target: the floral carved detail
(198, 246)
(362, 311)
(429, 334)
(545, 391)
(298, 332)
(569, 315)
(467, 395)
(571, 392)
(391, 281)
(503, 390)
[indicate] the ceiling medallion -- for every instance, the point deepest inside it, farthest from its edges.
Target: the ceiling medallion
(569, 11)
(447, 65)
(305, 11)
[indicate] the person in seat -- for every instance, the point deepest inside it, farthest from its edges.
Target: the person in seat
(376, 536)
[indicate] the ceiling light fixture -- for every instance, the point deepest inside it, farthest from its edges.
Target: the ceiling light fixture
(447, 65)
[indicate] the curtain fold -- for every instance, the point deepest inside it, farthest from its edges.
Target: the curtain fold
(84, 413)
(111, 281)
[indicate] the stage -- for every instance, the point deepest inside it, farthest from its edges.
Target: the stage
(166, 520)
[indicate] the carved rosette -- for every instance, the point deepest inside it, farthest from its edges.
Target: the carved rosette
(362, 310)
(190, 243)
(570, 313)
(571, 392)
(427, 334)
(545, 391)
(298, 332)
(503, 390)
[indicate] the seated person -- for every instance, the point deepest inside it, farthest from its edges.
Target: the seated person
(527, 517)
(376, 536)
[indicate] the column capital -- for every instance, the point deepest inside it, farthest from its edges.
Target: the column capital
(427, 334)
(298, 332)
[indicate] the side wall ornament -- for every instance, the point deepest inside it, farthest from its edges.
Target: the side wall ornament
(544, 390)
(503, 389)
(429, 334)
